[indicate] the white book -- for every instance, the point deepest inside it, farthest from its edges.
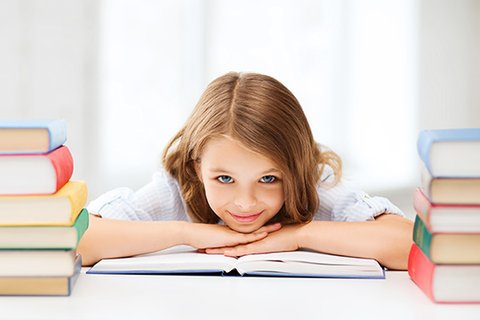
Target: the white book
(186, 260)
(33, 263)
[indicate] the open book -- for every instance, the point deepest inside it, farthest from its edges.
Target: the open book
(186, 260)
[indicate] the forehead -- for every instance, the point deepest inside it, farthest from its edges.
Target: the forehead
(224, 151)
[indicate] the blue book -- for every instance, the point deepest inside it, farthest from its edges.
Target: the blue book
(41, 285)
(32, 136)
(450, 153)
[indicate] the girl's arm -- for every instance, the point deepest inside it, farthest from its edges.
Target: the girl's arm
(387, 240)
(108, 238)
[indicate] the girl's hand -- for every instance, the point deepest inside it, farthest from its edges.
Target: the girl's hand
(281, 240)
(201, 235)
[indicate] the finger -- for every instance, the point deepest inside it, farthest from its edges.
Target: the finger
(241, 250)
(216, 250)
(251, 237)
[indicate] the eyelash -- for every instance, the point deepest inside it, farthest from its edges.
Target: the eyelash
(219, 179)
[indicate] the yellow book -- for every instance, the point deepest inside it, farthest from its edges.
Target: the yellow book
(61, 208)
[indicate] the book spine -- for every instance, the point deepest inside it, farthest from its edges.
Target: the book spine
(77, 270)
(62, 162)
(424, 144)
(422, 237)
(426, 180)
(422, 206)
(78, 198)
(421, 271)
(57, 133)
(81, 224)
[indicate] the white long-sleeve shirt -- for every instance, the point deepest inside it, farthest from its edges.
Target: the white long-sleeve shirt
(161, 200)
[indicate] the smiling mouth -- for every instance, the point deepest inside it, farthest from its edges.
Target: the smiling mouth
(246, 218)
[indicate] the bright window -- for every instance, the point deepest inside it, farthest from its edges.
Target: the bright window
(351, 65)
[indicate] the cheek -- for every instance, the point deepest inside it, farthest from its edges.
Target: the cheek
(216, 196)
(274, 197)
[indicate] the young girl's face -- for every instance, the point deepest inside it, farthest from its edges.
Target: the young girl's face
(243, 188)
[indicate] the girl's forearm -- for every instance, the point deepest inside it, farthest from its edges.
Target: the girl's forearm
(107, 238)
(387, 239)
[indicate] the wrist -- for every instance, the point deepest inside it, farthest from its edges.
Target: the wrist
(303, 235)
(184, 232)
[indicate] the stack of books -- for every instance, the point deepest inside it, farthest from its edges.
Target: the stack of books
(42, 215)
(444, 260)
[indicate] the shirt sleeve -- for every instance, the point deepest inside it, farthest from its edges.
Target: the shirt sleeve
(159, 200)
(344, 203)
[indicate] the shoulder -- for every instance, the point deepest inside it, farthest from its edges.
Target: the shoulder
(160, 199)
(328, 175)
(343, 202)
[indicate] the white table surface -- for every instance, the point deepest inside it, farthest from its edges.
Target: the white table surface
(210, 297)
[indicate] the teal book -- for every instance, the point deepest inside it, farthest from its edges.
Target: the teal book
(32, 136)
(44, 237)
(447, 248)
(41, 285)
(450, 153)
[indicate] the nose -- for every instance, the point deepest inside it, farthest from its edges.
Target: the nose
(245, 199)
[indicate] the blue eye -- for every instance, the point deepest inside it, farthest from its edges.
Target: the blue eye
(268, 179)
(225, 179)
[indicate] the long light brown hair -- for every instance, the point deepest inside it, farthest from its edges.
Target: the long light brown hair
(262, 114)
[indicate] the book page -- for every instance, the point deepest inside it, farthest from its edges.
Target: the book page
(176, 259)
(296, 268)
(310, 257)
(308, 264)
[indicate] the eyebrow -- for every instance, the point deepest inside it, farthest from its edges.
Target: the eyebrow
(221, 170)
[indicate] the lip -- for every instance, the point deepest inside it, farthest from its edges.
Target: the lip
(246, 217)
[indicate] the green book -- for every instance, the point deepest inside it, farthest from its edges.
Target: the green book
(44, 237)
(421, 236)
(447, 248)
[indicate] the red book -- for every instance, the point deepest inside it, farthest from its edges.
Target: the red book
(35, 173)
(444, 283)
(446, 218)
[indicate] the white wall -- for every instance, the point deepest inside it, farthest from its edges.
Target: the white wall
(48, 63)
(449, 73)
(449, 87)
(51, 63)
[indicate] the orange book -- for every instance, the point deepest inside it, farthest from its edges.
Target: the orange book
(59, 209)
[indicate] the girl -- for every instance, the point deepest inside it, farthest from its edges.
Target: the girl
(244, 175)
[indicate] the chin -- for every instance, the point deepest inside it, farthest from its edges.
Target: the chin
(243, 228)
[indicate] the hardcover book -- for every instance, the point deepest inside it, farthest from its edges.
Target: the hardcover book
(25, 137)
(60, 208)
(41, 285)
(444, 283)
(37, 263)
(35, 173)
(460, 248)
(186, 260)
(451, 152)
(44, 237)
(451, 190)
(453, 218)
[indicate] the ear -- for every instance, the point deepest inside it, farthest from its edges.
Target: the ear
(198, 170)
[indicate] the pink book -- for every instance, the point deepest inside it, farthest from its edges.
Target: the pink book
(35, 173)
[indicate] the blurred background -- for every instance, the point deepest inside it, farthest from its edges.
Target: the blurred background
(370, 74)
